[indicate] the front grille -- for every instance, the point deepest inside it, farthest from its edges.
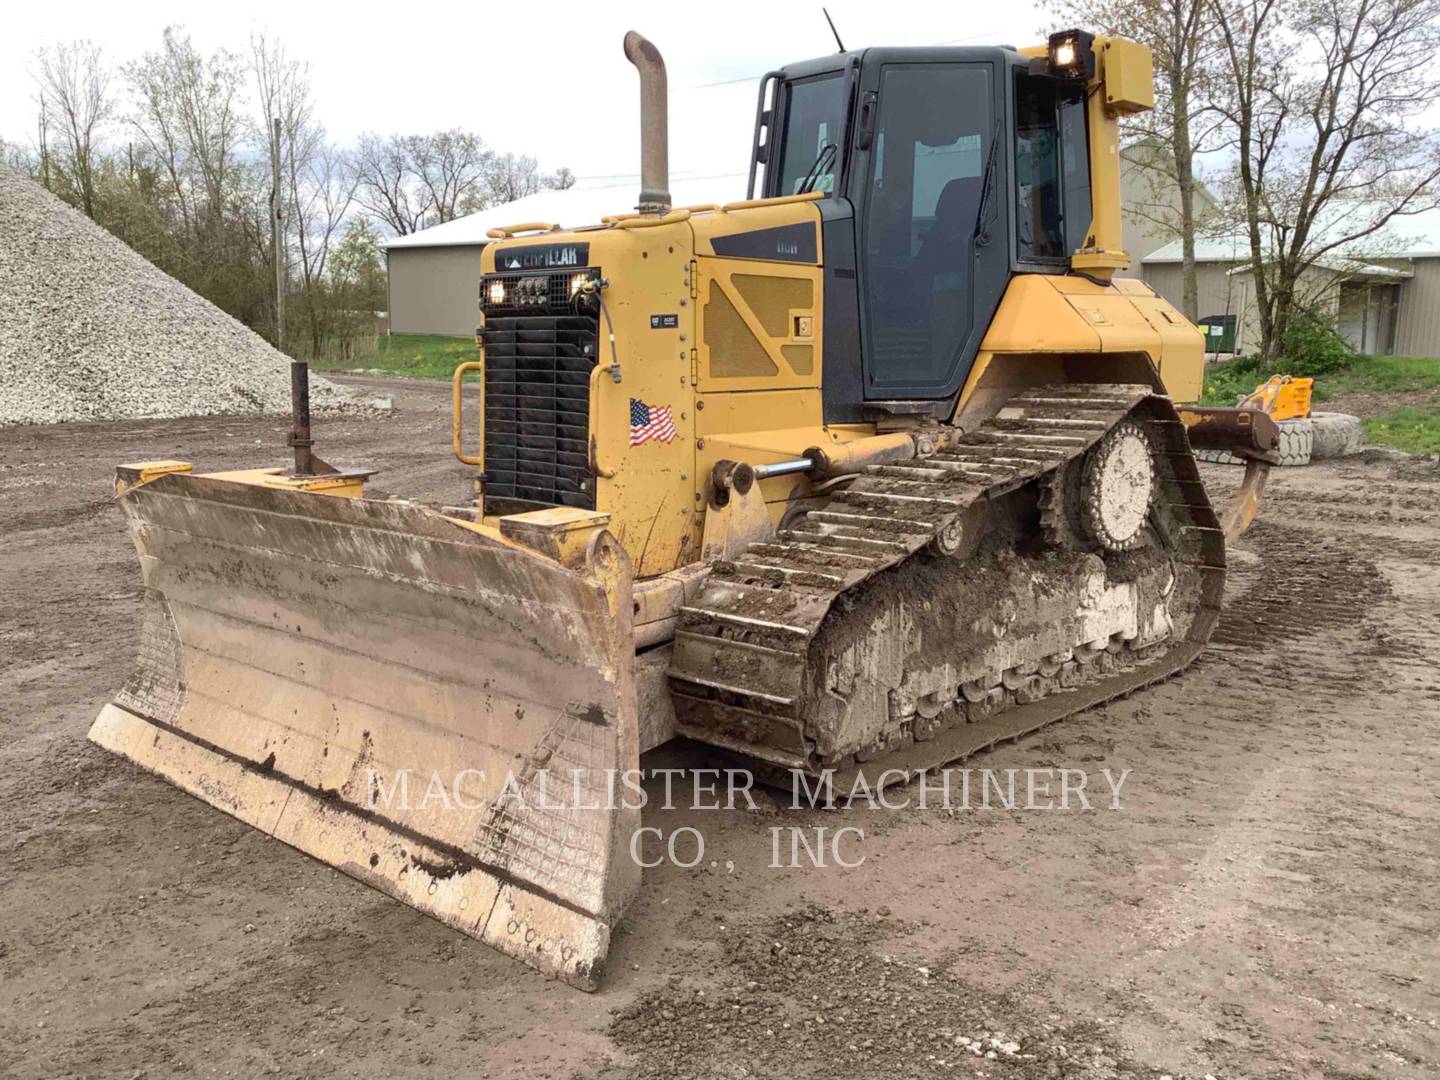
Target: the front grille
(538, 360)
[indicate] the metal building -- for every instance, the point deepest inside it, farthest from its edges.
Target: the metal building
(1382, 293)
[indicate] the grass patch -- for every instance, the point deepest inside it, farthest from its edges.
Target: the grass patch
(1397, 373)
(1226, 381)
(416, 356)
(1414, 430)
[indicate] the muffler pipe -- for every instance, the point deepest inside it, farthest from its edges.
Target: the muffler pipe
(654, 124)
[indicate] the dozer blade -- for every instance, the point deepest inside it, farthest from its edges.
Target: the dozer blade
(437, 712)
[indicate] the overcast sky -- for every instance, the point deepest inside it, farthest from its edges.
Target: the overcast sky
(546, 79)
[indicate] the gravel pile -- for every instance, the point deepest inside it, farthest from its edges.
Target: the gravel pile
(90, 330)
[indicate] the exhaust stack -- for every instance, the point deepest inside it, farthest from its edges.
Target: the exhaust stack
(654, 124)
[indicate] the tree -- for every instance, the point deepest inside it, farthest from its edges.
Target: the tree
(318, 180)
(321, 190)
(1182, 40)
(74, 95)
(385, 183)
(190, 117)
(357, 284)
(184, 176)
(15, 157)
(1322, 103)
(413, 181)
(562, 179)
(358, 267)
(202, 206)
(511, 177)
(448, 167)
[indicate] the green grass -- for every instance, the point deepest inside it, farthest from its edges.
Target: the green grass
(1414, 430)
(417, 356)
(1226, 381)
(1397, 373)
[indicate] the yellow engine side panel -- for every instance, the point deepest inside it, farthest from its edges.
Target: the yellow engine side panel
(758, 371)
(759, 325)
(760, 296)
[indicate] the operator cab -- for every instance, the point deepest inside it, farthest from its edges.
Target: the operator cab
(945, 171)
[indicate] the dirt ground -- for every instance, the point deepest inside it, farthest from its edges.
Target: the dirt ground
(1266, 901)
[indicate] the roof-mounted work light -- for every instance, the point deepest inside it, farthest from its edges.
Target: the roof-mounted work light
(1072, 55)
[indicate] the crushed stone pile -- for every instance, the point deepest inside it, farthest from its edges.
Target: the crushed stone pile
(90, 330)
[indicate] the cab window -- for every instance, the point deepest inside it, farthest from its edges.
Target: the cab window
(1052, 169)
(810, 147)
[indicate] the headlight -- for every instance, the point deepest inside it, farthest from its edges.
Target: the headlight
(497, 292)
(577, 283)
(1072, 55)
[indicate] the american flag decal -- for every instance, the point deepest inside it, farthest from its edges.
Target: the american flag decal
(650, 422)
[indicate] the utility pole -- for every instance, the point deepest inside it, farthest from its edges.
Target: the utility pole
(276, 248)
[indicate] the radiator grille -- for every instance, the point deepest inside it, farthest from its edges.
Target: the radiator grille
(537, 405)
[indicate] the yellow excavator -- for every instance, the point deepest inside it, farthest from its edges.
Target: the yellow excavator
(853, 477)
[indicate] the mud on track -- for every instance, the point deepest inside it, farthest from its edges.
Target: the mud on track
(1266, 903)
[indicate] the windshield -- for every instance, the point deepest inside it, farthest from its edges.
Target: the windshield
(814, 118)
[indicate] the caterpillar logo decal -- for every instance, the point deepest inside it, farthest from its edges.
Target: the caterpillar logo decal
(543, 257)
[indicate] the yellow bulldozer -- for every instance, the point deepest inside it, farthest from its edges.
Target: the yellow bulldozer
(853, 477)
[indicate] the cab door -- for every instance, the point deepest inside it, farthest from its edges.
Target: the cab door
(931, 270)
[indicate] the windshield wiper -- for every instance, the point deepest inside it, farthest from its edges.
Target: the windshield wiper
(823, 160)
(987, 187)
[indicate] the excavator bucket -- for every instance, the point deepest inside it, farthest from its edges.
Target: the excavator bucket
(438, 711)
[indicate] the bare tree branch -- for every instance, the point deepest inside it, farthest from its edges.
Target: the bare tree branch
(74, 98)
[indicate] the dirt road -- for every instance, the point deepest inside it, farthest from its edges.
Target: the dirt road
(1265, 901)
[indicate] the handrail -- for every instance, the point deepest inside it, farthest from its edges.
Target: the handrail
(595, 373)
(647, 221)
(761, 154)
(776, 200)
(504, 232)
(456, 381)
